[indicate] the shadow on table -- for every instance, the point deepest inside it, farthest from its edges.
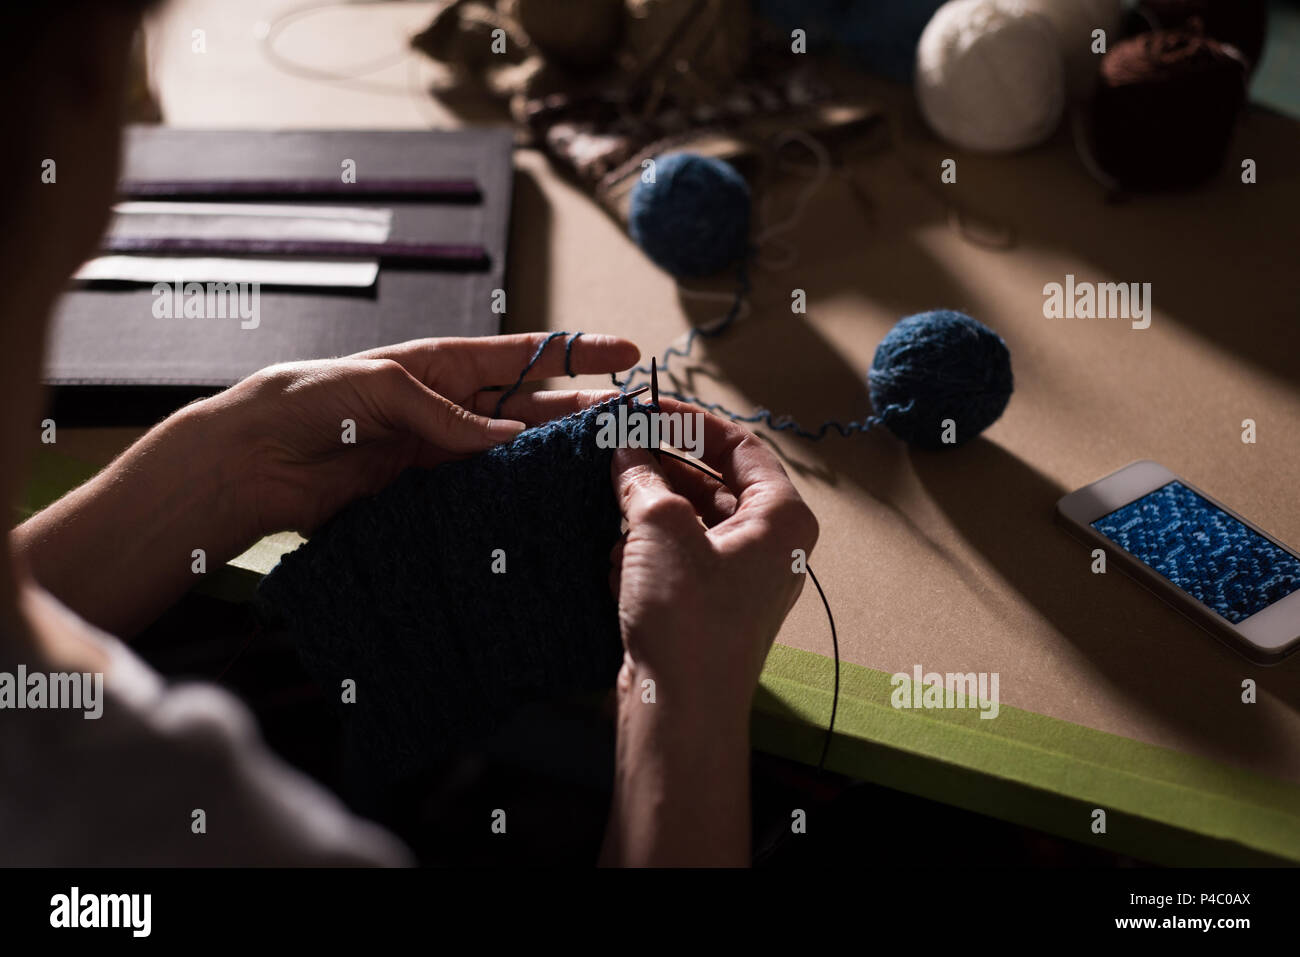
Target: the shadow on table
(1215, 256)
(782, 362)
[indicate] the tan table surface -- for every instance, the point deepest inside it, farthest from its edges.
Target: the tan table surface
(951, 561)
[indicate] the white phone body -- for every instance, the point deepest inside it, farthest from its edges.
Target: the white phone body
(1266, 635)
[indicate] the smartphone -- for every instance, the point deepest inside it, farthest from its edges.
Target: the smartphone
(1227, 575)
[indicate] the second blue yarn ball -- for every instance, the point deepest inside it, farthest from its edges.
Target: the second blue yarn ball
(940, 365)
(692, 220)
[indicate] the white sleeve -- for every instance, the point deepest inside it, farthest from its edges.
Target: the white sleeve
(124, 789)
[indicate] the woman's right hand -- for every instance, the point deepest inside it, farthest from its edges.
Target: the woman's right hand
(704, 577)
(707, 571)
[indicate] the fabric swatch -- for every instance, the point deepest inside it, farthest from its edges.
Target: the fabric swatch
(399, 594)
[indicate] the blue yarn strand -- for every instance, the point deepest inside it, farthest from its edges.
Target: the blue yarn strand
(537, 355)
(764, 416)
(938, 378)
(932, 371)
(707, 332)
(568, 354)
(788, 424)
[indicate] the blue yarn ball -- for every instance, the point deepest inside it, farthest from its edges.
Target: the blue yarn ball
(693, 219)
(940, 365)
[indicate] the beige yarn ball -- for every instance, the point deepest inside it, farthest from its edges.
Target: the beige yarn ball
(990, 75)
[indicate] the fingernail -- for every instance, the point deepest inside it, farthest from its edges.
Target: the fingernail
(503, 430)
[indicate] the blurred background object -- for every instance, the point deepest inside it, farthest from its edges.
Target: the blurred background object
(141, 103)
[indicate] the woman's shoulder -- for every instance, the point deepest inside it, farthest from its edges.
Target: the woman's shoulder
(125, 768)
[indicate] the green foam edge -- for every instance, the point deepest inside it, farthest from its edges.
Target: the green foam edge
(1161, 805)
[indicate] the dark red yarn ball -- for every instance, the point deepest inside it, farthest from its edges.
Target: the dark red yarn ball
(1165, 107)
(1243, 23)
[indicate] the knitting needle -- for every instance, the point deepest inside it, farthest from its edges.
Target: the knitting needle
(654, 399)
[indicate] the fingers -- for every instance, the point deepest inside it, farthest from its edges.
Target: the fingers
(498, 360)
(538, 407)
(646, 498)
(734, 451)
(712, 500)
(407, 404)
(765, 496)
(462, 366)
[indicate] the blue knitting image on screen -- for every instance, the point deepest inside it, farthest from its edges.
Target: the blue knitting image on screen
(1204, 551)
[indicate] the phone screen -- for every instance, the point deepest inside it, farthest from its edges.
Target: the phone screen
(1204, 551)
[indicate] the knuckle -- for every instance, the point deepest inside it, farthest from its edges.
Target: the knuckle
(666, 510)
(783, 508)
(277, 376)
(461, 415)
(783, 523)
(282, 379)
(751, 444)
(747, 445)
(387, 369)
(732, 429)
(633, 477)
(447, 416)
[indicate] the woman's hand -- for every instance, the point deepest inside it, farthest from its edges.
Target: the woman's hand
(319, 434)
(704, 579)
(705, 575)
(272, 453)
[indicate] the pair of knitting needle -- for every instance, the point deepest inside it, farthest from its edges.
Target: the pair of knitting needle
(654, 401)
(653, 389)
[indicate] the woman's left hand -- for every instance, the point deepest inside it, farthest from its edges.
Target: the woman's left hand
(284, 449)
(320, 434)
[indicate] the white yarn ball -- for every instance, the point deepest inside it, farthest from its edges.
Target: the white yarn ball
(990, 75)
(1075, 21)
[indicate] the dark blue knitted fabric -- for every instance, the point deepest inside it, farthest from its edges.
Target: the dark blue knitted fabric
(397, 593)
